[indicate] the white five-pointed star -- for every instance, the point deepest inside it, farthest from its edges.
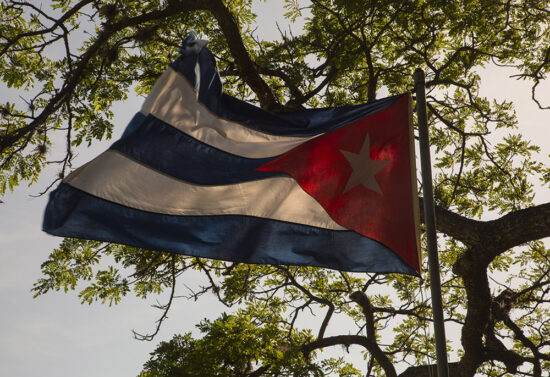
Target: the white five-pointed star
(363, 168)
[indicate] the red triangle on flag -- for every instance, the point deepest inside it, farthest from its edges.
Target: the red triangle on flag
(361, 174)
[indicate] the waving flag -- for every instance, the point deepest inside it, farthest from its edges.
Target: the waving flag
(201, 173)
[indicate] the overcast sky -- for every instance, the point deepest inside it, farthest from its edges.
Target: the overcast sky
(55, 335)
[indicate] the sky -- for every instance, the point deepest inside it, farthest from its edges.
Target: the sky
(55, 335)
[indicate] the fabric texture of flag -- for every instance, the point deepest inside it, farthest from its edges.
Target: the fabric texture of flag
(202, 173)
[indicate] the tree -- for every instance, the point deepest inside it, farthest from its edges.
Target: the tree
(73, 61)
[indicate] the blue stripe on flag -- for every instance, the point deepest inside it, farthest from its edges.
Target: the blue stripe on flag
(166, 149)
(306, 122)
(198, 65)
(73, 213)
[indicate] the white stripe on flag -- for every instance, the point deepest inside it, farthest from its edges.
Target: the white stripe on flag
(114, 177)
(174, 101)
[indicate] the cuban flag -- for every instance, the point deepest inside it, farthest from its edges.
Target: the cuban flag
(201, 173)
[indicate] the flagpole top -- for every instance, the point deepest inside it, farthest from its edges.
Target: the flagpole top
(419, 77)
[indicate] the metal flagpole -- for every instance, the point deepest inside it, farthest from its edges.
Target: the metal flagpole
(429, 221)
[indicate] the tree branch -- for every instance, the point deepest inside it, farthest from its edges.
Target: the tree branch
(371, 345)
(247, 68)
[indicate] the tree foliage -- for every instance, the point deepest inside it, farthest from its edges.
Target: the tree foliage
(71, 60)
